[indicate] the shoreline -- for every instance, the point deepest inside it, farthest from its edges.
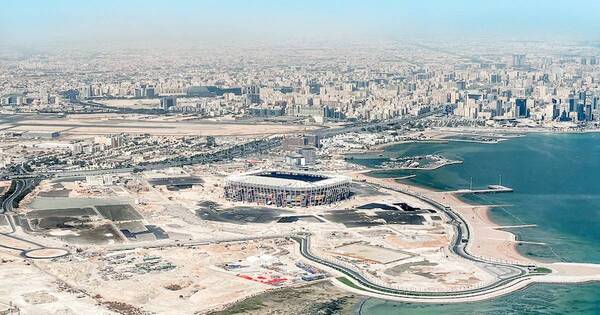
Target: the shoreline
(480, 213)
(440, 132)
(478, 217)
(389, 144)
(488, 242)
(487, 239)
(428, 168)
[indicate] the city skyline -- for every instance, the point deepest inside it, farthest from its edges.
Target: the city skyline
(308, 157)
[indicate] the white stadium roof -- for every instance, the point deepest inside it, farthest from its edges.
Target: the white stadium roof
(255, 179)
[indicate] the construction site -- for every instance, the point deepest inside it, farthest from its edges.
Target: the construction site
(172, 236)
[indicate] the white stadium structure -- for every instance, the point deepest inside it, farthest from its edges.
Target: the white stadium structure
(287, 188)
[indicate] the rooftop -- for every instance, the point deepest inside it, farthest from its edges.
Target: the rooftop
(288, 179)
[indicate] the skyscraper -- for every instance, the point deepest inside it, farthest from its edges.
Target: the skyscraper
(499, 111)
(518, 60)
(521, 106)
(168, 102)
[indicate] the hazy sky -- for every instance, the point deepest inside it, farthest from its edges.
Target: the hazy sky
(27, 22)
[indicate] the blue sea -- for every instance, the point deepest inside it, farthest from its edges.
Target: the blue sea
(556, 178)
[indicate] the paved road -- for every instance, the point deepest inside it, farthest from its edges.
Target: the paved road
(369, 286)
(7, 204)
(513, 273)
(238, 150)
(21, 186)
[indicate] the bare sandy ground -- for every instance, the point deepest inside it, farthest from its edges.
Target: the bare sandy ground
(485, 240)
(36, 292)
(102, 126)
(493, 244)
(562, 273)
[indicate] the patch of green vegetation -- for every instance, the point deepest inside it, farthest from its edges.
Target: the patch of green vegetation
(330, 307)
(349, 283)
(542, 270)
(247, 306)
(296, 300)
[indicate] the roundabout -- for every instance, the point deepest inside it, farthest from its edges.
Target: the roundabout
(45, 253)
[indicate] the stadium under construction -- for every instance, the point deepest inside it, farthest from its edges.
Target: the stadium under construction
(287, 188)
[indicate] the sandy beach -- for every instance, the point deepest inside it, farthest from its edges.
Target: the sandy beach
(486, 240)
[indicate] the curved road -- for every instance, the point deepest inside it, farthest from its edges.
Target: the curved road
(458, 246)
(21, 185)
(7, 204)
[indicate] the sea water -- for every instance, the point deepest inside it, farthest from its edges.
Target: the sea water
(556, 178)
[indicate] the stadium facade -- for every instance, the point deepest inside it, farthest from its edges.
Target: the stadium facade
(287, 188)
